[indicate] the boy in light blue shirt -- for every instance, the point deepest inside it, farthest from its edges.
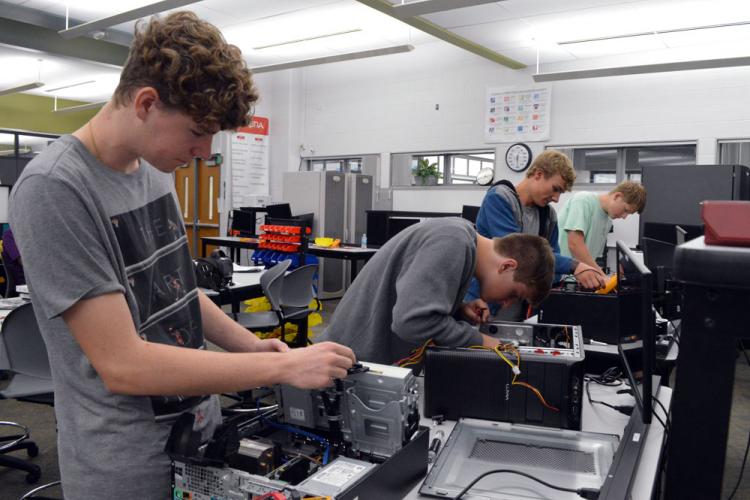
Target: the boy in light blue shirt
(587, 217)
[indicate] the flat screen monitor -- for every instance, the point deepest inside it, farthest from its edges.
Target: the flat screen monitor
(667, 232)
(397, 224)
(657, 253)
(633, 275)
(279, 211)
(244, 222)
(470, 213)
(680, 235)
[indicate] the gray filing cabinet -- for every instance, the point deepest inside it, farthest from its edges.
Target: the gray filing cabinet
(339, 202)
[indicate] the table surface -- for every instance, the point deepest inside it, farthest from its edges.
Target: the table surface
(239, 281)
(252, 242)
(600, 419)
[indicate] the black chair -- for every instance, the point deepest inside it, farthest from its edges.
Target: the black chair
(25, 356)
(10, 283)
(271, 282)
(296, 294)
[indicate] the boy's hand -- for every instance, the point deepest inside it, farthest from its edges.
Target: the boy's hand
(477, 311)
(317, 366)
(589, 277)
(271, 345)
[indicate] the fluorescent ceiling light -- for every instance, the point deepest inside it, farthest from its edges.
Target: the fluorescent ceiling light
(124, 17)
(444, 34)
(422, 7)
(655, 32)
(82, 107)
(21, 88)
(643, 68)
(332, 59)
(300, 40)
(71, 85)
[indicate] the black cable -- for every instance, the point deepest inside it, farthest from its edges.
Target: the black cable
(609, 377)
(742, 345)
(589, 269)
(742, 468)
(744, 458)
(583, 492)
(666, 413)
(658, 417)
(625, 410)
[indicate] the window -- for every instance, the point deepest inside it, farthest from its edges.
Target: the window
(734, 152)
(345, 165)
(454, 168)
(16, 150)
(614, 164)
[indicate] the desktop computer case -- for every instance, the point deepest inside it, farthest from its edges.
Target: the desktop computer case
(339, 202)
(473, 383)
(610, 318)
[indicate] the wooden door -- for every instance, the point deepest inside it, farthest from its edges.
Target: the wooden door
(197, 186)
(184, 179)
(209, 180)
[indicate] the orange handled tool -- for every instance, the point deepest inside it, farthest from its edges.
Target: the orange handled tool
(611, 284)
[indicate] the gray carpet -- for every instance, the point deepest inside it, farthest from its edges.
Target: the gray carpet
(40, 419)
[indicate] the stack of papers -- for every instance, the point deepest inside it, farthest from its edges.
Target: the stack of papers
(246, 269)
(23, 292)
(12, 303)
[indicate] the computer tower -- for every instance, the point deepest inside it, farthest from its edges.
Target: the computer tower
(479, 383)
(610, 318)
(340, 202)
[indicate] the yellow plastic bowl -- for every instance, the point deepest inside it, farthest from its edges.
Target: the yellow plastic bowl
(323, 242)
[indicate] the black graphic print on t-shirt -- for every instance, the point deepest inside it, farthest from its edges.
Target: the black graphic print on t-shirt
(160, 274)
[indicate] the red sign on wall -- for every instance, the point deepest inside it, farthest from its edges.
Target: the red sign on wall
(258, 126)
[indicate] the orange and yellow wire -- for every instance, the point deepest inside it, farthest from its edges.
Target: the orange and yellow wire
(516, 369)
(416, 355)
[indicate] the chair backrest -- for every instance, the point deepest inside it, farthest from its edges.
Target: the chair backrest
(10, 282)
(272, 281)
(298, 286)
(24, 345)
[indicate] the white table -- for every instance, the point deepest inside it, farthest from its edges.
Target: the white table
(600, 419)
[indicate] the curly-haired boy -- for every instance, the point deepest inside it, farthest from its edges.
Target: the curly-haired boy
(127, 347)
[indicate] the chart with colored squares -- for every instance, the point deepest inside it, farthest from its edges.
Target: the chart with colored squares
(517, 115)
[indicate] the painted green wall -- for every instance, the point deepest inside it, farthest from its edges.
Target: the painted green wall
(34, 113)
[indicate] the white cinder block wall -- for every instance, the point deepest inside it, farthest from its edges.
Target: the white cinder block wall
(388, 104)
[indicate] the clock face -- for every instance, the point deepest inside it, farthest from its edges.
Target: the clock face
(518, 157)
(485, 176)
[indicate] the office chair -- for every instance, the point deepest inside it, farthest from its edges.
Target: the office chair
(271, 282)
(296, 295)
(10, 283)
(26, 358)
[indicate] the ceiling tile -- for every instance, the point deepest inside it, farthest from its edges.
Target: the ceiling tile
(470, 15)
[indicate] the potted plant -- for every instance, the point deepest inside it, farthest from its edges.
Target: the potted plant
(426, 173)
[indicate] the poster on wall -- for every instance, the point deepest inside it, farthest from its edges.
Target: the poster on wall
(249, 157)
(513, 115)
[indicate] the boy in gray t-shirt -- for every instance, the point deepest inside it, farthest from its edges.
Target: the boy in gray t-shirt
(412, 290)
(112, 283)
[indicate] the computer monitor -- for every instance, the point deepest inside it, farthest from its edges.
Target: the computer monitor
(659, 258)
(470, 213)
(632, 274)
(279, 211)
(667, 231)
(680, 235)
(244, 222)
(397, 224)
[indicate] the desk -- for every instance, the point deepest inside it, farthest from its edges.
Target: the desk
(244, 286)
(600, 419)
(347, 252)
